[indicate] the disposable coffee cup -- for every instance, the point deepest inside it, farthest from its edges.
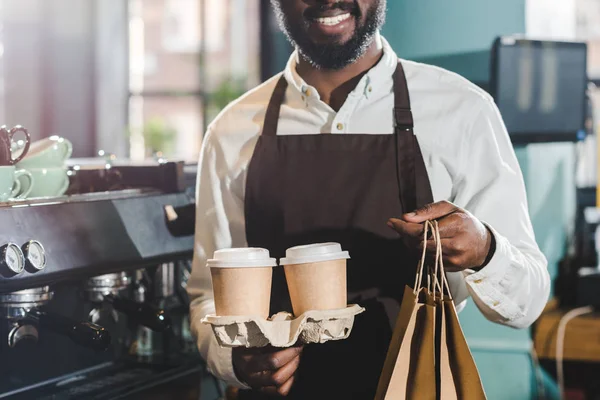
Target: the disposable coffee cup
(316, 277)
(241, 281)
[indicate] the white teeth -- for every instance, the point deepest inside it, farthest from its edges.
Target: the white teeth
(330, 21)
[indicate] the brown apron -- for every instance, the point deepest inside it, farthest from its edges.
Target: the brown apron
(304, 189)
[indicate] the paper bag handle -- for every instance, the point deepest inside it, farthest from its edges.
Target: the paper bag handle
(439, 271)
(437, 276)
(421, 265)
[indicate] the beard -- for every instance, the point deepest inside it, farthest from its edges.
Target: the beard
(333, 55)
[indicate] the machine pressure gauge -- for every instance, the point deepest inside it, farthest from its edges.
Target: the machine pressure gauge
(35, 256)
(12, 260)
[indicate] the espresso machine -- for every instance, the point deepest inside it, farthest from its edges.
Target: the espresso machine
(92, 288)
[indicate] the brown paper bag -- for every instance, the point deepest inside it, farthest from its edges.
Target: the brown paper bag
(459, 378)
(411, 370)
(408, 371)
(459, 375)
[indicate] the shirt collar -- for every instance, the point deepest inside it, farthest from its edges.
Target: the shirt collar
(378, 78)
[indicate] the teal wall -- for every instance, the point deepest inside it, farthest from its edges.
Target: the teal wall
(420, 29)
(457, 35)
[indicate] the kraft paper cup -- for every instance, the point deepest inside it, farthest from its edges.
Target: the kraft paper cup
(316, 277)
(241, 281)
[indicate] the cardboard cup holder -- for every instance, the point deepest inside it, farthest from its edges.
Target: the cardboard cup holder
(282, 329)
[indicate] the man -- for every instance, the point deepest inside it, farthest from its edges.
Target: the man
(351, 146)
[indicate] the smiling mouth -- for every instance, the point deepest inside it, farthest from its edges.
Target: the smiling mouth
(332, 21)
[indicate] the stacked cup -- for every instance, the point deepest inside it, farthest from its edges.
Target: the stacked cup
(315, 275)
(46, 163)
(14, 184)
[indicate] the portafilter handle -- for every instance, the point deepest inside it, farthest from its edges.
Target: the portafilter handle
(83, 333)
(142, 313)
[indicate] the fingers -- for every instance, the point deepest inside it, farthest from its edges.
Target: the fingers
(454, 253)
(278, 378)
(406, 229)
(283, 379)
(270, 370)
(286, 372)
(451, 225)
(271, 359)
(458, 230)
(282, 390)
(430, 212)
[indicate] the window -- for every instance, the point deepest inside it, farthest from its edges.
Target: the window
(187, 60)
(588, 29)
(2, 100)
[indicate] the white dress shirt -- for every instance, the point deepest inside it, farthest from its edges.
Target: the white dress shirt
(469, 159)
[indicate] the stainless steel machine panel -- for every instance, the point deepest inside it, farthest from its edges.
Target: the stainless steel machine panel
(91, 234)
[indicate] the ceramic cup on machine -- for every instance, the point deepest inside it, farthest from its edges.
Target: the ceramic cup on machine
(7, 141)
(316, 277)
(14, 184)
(46, 163)
(51, 152)
(241, 281)
(49, 182)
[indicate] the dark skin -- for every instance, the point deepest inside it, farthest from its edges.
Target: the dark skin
(466, 241)
(333, 86)
(269, 370)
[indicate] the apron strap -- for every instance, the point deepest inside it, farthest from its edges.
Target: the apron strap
(402, 114)
(406, 143)
(272, 115)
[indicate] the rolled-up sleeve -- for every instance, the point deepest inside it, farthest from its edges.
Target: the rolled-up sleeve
(513, 288)
(216, 211)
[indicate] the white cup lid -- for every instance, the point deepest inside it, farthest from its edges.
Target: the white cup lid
(241, 258)
(314, 253)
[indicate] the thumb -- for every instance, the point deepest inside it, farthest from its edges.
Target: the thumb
(430, 212)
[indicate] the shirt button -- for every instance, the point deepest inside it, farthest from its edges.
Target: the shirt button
(308, 92)
(478, 281)
(496, 303)
(370, 89)
(340, 126)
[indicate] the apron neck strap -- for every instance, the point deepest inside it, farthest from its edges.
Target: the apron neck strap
(402, 115)
(272, 115)
(407, 149)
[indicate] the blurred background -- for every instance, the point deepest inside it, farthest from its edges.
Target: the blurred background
(141, 79)
(132, 77)
(128, 77)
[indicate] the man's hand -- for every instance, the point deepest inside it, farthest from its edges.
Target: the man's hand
(268, 369)
(466, 242)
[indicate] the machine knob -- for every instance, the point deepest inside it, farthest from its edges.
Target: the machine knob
(35, 256)
(12, 260)
(22, 333)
